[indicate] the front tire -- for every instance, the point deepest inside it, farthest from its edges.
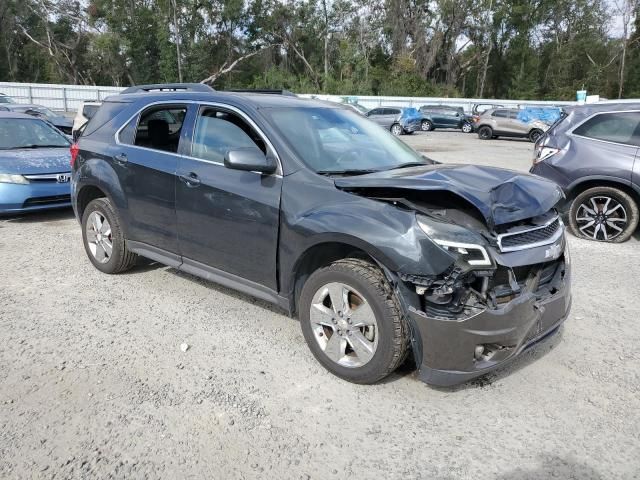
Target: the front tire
(485, 133)
(396, 129)
(103, 238)
(352, 321)
(604, 214)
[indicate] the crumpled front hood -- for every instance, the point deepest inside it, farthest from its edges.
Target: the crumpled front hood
(502, 196)
(35, 161)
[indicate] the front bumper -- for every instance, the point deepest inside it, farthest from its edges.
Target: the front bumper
(448, 347)
(20, 198)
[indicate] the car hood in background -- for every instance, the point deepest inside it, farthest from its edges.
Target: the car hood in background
(61, 121)
(502, 196)
(35, 161)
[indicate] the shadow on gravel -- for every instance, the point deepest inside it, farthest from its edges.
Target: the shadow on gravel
(40, 217)
(533, 354)
(554, 467)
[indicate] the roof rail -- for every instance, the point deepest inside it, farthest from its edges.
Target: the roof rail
(269, 91)
(169, 87)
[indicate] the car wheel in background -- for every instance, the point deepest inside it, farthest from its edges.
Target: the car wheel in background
(535, 134)
(426, 126)
(485, 133)
(396, 129)
(467, 127)
(103, 238)
(352, 321)
(604, 214)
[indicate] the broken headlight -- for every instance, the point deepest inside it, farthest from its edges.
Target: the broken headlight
(458, 240)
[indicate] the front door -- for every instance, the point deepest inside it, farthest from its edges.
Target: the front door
(145, 158)
(227, 219)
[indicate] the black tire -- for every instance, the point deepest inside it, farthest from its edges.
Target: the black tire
(485, 133)
(426, 126)
(535, 134)
(392, 331)
(396, 129)
(467, 127)
(628, 209)
(120, 259)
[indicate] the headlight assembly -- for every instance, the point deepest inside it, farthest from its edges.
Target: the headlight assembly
(7, 178)
(456, 239)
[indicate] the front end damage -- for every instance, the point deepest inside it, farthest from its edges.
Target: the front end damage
(468, 320)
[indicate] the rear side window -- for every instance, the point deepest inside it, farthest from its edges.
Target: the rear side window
(501, 114)
(218, 131)
(621, 127)
(158, 128)
(106, 112)
(392, 111)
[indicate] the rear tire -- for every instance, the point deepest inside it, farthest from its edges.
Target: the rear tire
(485, 133)
(426, 126)
(534, 135)
(361, 337)
(103, 238)
(396, 129)
(603, 214)
(467, 127)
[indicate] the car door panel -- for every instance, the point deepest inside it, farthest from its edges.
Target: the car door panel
(228, 219)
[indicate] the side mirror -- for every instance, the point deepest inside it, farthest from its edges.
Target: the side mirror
(250, 159)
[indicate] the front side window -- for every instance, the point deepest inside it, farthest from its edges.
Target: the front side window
(158, 128)
(334, 141)
(218, 131)
(621, 127)
(16, 133)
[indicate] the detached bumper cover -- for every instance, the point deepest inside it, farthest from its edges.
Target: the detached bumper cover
(448, 346)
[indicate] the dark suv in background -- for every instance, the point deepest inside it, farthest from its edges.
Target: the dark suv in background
(592, 152)
(380, 252)
(442, 116)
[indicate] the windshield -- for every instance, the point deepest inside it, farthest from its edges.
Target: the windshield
(25, 133)
(334, 140)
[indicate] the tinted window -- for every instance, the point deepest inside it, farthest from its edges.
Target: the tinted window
(159, 127)
(392, 111)
(621, 127)
(218, 131)
(375, 111)
(501, 114)
(106, 112)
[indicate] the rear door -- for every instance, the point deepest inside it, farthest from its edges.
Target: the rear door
(228, 220)
(145, 158)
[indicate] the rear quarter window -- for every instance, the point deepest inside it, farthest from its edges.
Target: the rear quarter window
(106, 112)
(618, 127)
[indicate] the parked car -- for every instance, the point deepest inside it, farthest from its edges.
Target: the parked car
(86, 110)
(6, 99)
(61, 122)
(34, 165)
(504, 122)
(397, 120)
(592, 152)
(380, 252)
(442, 116)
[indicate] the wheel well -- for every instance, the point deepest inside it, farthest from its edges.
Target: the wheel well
(86, 195)
(586, 185)
(320, 256)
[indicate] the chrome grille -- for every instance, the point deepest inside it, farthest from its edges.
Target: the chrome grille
(531, 237)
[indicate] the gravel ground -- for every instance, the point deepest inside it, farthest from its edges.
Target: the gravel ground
(94, 383)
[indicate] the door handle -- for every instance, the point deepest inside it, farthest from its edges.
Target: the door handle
(121, 158)
(190, 179)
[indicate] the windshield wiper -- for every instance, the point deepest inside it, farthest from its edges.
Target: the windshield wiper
(346, 172)
(409, 164)
(40, 146)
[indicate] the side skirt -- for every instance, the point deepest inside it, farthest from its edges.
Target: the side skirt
(215, 275)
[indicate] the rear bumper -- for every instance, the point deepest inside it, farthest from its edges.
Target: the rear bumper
(17, 198)
(449, 346)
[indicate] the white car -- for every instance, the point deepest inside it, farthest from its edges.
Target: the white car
(85, 112)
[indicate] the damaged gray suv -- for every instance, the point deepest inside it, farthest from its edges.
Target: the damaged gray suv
(381, 253)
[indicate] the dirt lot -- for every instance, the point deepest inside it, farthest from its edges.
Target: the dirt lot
(93, 382)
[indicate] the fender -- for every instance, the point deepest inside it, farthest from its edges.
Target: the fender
(595, 178)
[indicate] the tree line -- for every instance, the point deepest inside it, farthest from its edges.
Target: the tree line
(526, 49)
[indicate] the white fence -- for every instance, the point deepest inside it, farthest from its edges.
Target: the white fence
(68, 97)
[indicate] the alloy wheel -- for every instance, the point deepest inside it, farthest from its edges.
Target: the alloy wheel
(99, 237)
(344, 325)
(396, 130)
(466, 128)
(425, 126)
(601, 218)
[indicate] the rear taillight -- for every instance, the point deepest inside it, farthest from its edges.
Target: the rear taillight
(74, 153)
(542, 153)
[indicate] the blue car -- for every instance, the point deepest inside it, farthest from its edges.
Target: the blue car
(34, 165)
